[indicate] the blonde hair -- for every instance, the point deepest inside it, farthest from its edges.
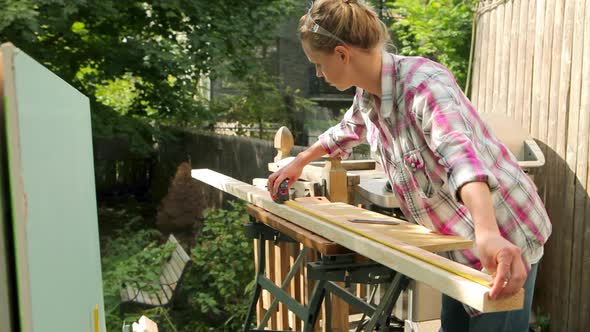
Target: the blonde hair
(350, 21)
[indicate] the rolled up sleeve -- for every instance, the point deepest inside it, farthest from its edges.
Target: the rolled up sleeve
(448, 122)
(339, 140)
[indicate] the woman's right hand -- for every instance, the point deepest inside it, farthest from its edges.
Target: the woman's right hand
(291, 171)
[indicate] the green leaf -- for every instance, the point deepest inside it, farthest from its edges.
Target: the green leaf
(79, 28)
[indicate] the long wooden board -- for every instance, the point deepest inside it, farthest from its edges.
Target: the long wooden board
(467, 291)
(408, 233)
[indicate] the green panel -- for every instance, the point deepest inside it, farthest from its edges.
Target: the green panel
(5, 265)
(58, 178)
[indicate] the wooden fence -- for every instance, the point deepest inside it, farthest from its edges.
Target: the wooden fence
(532, 62)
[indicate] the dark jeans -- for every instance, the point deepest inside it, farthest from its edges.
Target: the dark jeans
(455, 319)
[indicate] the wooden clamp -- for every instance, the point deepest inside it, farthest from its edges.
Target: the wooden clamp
(283, 143)
(336, 181)
(333, 173)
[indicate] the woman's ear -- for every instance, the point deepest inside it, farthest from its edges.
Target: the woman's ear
(343, 53)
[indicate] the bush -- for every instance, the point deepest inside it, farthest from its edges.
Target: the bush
(130, 256)
(220, 282)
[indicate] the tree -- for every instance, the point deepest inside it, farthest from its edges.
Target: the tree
(436, 29)
(156, 50)
(261, 100)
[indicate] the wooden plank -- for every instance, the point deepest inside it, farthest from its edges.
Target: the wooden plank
(175, 269)
(475, 71)
(155, 299)
(301, 235)
(339, 313)
(541, 115)
(582, 170)
(139, 297)
(489, 92)
(513, 58)
(538, 68)
(266, 296)
(166, 293)
(406, 232)
(484, 77)
(460, 288)
(168, 276)
(179, 261)
(561, 83)
(271, 273)
(164, 297)
(125, 294)
(554, 18)
(295, 285)
(259, 305)
(281, 270)
(498, 12)
(531, 45)
(179, 249)
(523, 23)
(504, 60)
(572, 143)
(558, 59)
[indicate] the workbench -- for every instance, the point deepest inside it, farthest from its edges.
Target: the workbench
(333, 271)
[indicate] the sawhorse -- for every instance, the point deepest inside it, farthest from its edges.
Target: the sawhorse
(333, 267)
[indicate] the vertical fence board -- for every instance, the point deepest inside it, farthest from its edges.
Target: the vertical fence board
(521, 60)
(499, 41)
(537, 67)
(549, 125)
(484, 26)
(513, 60)
(582, 240)
(505, 40)
(547, 64)
(573, 128)
(556, 63)
(531, 45)
(489, 91)
(294, 286)
(475, 70)
(561, 109)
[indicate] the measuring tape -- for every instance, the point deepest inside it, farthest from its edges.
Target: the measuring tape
(392, 246)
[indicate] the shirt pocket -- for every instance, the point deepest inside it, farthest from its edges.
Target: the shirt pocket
(421, 177)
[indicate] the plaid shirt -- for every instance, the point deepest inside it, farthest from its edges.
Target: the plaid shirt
(431, 141)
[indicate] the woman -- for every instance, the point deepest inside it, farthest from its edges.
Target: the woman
(449, 172)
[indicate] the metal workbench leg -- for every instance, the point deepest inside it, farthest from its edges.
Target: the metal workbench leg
(258, 289)
(383, 311)
(294, 269)
(315, 303)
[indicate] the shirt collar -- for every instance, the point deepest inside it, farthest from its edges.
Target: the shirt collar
(387, 74)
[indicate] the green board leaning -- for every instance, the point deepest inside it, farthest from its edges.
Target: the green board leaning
(52, 198)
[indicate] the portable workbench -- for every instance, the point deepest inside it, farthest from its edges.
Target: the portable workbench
(334, 266)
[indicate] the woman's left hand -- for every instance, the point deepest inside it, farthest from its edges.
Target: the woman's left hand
(504, 261)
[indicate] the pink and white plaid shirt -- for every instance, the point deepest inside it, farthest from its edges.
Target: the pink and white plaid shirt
(431, 141)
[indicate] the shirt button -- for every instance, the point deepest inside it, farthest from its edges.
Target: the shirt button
(413, 165)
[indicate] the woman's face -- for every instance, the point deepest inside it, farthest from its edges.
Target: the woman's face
(331, 66)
